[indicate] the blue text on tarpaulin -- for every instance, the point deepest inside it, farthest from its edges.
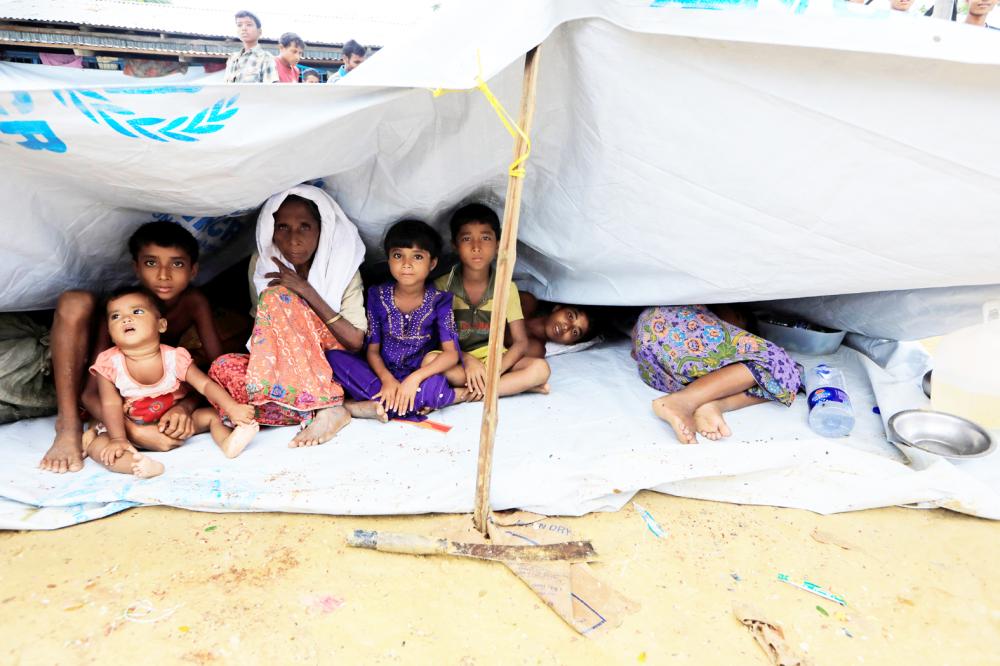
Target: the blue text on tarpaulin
(35, 134)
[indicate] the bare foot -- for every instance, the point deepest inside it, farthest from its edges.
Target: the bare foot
(145, 468)
(462, 394)
(66, 452)
(238, 439)
(675, 411)
(543, 389)
(89, 435)
(709, 422)
(367, 409)
(325, 424)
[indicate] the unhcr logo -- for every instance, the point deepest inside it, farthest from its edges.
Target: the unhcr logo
(99, 108)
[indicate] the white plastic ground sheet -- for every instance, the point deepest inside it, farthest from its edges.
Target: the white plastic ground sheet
(588, 446)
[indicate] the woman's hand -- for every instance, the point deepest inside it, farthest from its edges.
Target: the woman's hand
(287, 277)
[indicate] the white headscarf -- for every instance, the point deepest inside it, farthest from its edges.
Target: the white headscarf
(338, 255)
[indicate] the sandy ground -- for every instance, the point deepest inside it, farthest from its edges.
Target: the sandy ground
(173, 586)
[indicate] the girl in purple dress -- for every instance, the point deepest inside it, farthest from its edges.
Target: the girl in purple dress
(707, 364)
(412, 339)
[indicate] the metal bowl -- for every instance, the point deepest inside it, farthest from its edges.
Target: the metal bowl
(944, 434)
(926, 383)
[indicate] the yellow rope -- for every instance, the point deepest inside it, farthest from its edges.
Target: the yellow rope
(517, 166)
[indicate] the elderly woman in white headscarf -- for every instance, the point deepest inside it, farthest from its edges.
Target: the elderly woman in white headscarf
(309, 300)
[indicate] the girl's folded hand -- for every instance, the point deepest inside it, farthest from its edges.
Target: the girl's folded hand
(387, 396)
(407, 395)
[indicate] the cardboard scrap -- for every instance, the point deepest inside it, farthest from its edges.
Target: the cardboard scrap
(769, 636)
(515, 518)
(571, 590)
(586, 603)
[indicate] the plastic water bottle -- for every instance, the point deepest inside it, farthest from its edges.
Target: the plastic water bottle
(830, 411)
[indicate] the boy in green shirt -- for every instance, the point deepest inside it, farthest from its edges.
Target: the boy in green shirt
(475, 233)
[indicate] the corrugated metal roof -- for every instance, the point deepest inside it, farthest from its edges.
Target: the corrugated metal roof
(97, 42)
(371, 23)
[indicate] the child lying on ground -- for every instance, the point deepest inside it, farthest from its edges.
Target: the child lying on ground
(475, 232)
(565, 324)
(708, 364)
(411, 338)
(166, 260)
(140, 379)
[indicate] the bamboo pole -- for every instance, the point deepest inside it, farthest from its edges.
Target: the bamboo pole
(506, 255)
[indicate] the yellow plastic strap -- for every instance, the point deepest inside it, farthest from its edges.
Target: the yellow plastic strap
(516, 169)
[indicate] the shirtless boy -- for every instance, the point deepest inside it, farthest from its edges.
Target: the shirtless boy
(166, 260)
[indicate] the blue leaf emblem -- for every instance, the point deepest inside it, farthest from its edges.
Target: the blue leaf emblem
(100, 110)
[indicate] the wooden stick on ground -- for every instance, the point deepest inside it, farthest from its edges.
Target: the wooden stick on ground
(506, 255)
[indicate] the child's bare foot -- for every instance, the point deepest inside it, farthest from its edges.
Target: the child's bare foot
(325, 424)
(675, 411)
(463, 394)
(709, 422)
(238, 439)
(543, 389)
(89, 435)
(66, 452)
(367, 409)
(144, 467)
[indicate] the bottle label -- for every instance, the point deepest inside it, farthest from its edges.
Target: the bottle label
(823, 371)
(828, 394)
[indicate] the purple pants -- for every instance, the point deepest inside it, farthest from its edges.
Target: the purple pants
(361, 383)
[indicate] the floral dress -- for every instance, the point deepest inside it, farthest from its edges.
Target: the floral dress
(674, 345)
(285, 376)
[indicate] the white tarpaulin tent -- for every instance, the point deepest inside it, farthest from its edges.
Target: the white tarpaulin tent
(677, 156)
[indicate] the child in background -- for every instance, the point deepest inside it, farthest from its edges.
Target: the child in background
(475, 233)
(290, 50)
(252, 63)
(140, 378)
(310, 76)
(165, 257)
(564, 324)
(411, 337)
